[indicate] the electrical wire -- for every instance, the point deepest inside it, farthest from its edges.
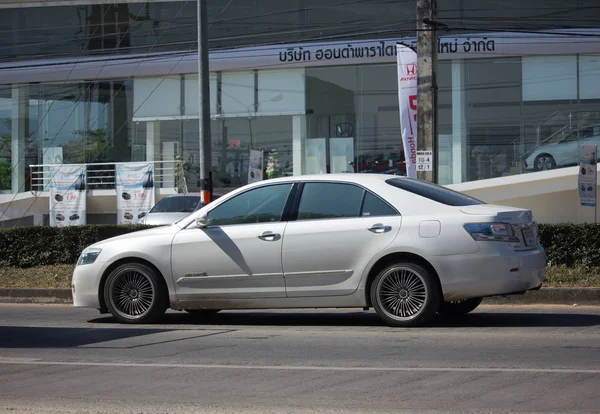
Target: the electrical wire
(40, 123)
(115, 133)
(577, 34)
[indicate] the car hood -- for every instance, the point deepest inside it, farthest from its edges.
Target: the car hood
(548, 148)
(504, 214)
(163, 230)
(162, 219)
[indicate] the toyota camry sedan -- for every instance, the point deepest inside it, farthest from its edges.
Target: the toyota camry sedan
(407, 248)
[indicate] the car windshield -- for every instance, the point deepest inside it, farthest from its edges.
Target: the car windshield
(180, 204)
(434, 192)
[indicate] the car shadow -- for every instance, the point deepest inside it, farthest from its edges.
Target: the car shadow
(480, 319)
(64, 337)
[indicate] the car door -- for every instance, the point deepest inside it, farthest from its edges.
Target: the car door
(567, 150)
(339, 228)
(238, 255)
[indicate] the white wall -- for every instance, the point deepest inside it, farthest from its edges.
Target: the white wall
(551, 195)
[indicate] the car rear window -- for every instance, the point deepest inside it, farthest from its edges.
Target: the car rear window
(434, 192)
(180, 204)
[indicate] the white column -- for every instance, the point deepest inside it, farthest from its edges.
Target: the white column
(19, 127)
(459, 122)
(152, 137)
(298, 144)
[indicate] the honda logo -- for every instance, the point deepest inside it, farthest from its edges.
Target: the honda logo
(344, 130)
(411, 70)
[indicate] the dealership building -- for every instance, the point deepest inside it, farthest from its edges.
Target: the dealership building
(312, 84)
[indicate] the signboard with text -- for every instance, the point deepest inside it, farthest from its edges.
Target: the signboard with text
(587, 177)
(255, 167)
(67, 195)
(424, 160)
(407, 100)
(135, 191)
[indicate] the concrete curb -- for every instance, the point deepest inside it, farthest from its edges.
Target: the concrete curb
(544, 296)
(550, 296)
(25, 295)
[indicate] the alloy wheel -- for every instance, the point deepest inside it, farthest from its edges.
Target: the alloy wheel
(545, 163)
(132, 293)
(402, 293)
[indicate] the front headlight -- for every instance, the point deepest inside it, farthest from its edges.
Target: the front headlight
(492, 232)
(88, 256)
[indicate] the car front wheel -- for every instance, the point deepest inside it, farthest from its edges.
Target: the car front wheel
(459, 307)
(544, 162)
(405, 294)
(133, 294)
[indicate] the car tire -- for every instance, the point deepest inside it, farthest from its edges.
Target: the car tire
(459, 307)
(544, 162)
(405, 294)
(203, 312)
(135, 293)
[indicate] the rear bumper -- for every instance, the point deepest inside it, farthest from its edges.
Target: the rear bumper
(491, 273)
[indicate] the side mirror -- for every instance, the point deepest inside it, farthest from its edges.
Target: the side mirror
(202, 221)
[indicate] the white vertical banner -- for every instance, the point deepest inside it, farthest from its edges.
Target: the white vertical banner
(316, 159)
(67, 195)
(255, 167)
(135, 191)
(587, 178)
(407, 99)
(341, 155)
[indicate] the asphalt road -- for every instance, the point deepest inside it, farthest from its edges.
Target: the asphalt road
(498, 359)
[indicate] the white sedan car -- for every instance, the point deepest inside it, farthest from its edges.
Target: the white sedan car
(405, 247)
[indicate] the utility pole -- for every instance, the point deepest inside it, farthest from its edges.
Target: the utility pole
(206, 189)
(427, 48)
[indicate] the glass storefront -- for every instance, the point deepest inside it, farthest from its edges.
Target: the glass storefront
(507, 116)
(497, 116)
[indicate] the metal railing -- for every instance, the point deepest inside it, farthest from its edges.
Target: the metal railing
(102, 176)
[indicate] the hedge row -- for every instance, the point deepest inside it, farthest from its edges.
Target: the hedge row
(35, 246)
(566, 244)
(572, 244)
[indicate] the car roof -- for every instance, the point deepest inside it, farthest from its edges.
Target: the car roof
(358, 178)
(183, 195)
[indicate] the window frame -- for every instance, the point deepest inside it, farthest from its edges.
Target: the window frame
(286, 208)
(298, 196)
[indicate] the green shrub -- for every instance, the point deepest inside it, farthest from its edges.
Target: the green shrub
(37, 246)
(571, 244)
(566, 244)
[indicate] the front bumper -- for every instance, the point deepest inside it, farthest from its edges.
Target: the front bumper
(495, 270)
(85, 284)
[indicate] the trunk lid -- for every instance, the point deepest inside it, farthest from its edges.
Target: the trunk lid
(502, 214)
(521, 220)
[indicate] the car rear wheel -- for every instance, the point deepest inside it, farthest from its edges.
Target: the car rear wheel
(459, 307)
(405, 294)
(544, 162)
(133, 293)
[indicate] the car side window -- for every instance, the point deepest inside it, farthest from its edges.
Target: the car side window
(259, 205)
(374, 206)
(329, 200)
(570, 138)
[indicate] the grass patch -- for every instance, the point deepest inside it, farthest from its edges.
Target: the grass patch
(576, 276)
(52, 276)
(59, 276)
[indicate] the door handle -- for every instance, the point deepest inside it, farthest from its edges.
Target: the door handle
(269, 236)
(380, 228)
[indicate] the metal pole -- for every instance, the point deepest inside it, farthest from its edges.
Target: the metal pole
(427, 48)
(204, 102)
